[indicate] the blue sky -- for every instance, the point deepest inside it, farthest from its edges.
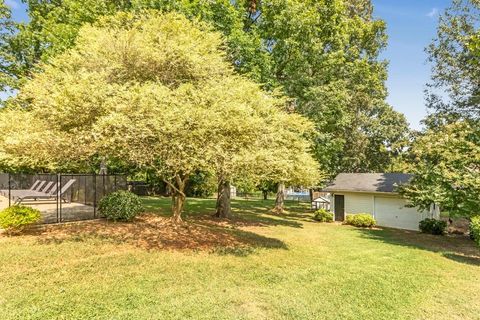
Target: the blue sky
(411, 26)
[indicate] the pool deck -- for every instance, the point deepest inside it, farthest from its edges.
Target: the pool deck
(71, 211)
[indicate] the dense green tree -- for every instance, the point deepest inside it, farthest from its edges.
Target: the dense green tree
(266, 187)
(446, 157)
(447, 169)
(454, 92)
(52, 28)
(7, 29)
(322, 54)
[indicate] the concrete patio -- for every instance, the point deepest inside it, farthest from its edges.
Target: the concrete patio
(70, 211)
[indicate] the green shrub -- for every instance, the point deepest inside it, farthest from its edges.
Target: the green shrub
(323, 215)
(362, 220)
(201, 185)
(16, 218)
(433, 226)
(475, 229)
(120, 206)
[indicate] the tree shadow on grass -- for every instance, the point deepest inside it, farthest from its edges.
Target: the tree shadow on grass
(246, 212)
(454, 247)
(152, 232)
(261, 214)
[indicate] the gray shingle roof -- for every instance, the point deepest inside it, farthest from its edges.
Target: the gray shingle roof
(368, 182)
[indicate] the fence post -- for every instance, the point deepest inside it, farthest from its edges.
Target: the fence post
(58, 187)
(94, 195)
(9, 190)
(59, 195)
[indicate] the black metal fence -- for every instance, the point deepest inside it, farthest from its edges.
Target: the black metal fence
(59, 197)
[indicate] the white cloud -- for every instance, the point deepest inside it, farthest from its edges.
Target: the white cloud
(12, 4)
(433, 13)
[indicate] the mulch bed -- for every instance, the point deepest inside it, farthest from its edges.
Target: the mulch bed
(148, 231)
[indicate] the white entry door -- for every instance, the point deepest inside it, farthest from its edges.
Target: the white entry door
(392, 212)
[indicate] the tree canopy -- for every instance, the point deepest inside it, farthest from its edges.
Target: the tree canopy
(447, 169)
(454, 92)
(445, 157)
(324, 55)
(154, 91)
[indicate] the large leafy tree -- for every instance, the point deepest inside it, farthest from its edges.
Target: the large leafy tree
(454, 92)
(7, 30)
(322, 54)
(155, 92)
(327, 59)
(447, 169)
(445, 158)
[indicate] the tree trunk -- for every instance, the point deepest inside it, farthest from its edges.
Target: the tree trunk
(265, 194)
(178, 197)
(178, 201)
(280, 200)
(223, 209)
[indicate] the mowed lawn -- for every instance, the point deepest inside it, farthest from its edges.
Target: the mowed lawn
(260, 266)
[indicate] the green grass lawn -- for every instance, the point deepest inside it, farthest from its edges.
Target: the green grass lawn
(260, 266)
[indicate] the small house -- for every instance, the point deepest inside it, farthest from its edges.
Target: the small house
(376, 194)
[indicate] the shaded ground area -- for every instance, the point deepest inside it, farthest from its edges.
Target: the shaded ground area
(151, 232)
(456, 247)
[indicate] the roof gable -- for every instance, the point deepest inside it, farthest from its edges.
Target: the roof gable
(368, 182)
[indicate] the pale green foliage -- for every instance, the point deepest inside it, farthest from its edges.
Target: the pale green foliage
(323, 215)
(475, 229)
(361, 220)
(26, 141)
(16, 218)
(322, 54)
(156, 92)
(446, 168)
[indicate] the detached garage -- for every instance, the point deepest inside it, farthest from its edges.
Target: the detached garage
(375, 193)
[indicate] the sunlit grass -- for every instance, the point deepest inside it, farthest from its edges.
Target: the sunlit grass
(272, 267)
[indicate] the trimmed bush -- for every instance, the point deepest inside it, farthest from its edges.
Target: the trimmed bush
(362, 220)
(120, 206)
(323, 215)
(16, 218)
(475, 229)
(433, 226)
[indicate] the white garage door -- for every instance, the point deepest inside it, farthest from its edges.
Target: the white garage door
(391, 212)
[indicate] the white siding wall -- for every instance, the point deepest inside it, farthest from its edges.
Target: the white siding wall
(392, 212)
(358, 203)
(389, 211)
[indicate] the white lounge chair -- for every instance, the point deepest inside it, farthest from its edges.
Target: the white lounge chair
(36, 186)
(53, 194)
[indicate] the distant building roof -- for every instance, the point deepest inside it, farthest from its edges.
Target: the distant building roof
(321, 200)
(368, 182)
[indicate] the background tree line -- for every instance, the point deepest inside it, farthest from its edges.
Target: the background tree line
(324, 55)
